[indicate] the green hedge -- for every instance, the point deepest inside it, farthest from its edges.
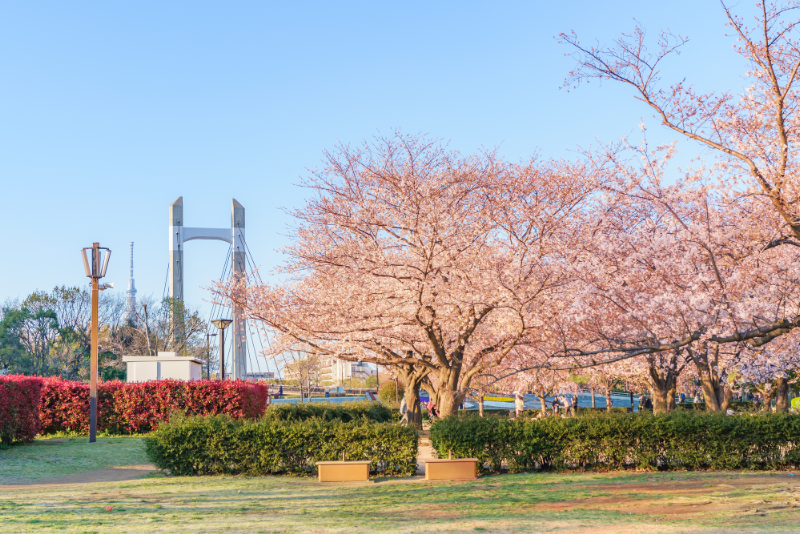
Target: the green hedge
(217, 445)
(680, 440)
(345, 411)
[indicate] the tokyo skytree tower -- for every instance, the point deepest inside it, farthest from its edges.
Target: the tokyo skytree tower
(130, 308)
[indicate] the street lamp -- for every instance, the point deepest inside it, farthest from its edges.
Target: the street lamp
(96, 269)
(222, 324)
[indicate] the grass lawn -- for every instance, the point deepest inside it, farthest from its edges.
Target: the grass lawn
(48, 458)
(636, 503)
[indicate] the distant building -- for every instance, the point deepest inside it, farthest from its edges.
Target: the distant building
(165, 365)
(336, 371)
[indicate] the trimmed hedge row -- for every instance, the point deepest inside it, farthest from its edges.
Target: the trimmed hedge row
(217, 445)
(680, 440)
(137, 407)
(345, 411)
(19, 408)
(35, 405)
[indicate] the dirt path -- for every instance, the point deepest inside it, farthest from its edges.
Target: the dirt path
(118, 474)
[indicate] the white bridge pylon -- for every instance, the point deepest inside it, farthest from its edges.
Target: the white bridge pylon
(180, 234)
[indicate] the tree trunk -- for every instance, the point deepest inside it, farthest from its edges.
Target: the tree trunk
(449, 401)
(662, 390)
(659, 400)
(671, 401)
(608, 400)
(413, 379)
(767, 393)
(717, 397)
(663, 400)
(543, 402)
(480, 404)
(770, 390)
(781, 394)
(664, 371)
(594, 404)
(413, 405)
(449, 398)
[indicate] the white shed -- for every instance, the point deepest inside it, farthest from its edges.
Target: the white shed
(165, 365)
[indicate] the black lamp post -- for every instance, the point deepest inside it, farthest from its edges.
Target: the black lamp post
(222, 324)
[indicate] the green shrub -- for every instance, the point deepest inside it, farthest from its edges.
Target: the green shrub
(680, 440)
(217, 445)
(345, 411)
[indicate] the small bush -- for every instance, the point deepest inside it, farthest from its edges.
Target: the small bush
(602, 441)
(217, 445)
(19, 408)
(345, 411)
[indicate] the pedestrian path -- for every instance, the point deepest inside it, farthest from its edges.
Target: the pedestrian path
(424, 451)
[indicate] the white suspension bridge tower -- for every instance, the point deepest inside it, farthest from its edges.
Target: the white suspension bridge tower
(180, 234)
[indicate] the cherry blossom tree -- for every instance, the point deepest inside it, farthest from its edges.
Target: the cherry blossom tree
(413, 256)
(754, 133)
(684, 272)
(772, 369)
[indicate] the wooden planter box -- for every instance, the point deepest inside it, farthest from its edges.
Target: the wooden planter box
(343, 471)
(455, 469)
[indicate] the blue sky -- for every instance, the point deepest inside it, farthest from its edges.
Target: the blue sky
(109, 111)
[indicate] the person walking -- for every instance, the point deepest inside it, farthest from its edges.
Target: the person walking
(567, 400)
(519, 404)
(404, 411)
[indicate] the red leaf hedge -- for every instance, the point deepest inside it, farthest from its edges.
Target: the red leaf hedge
(19, 408)
(127, 408)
